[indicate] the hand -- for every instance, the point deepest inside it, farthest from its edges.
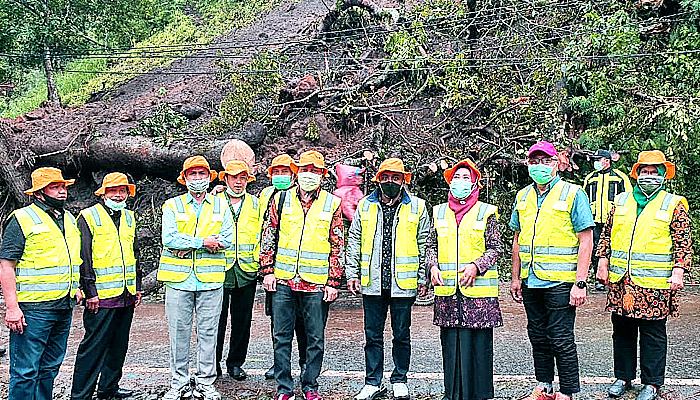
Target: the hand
(603, 274)
(436, 276)
(139, 297)
(79, 296)
(577, 297)
(676, 279)
(516, 290)
(422, 290)
(212, 244)
(354, 286)
(218, 189)
(468, 275)
(183, 253)
(329, 294)
(270, 283)
(14, 319)
(93, 304)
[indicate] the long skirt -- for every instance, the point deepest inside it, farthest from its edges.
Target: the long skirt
(467, 357)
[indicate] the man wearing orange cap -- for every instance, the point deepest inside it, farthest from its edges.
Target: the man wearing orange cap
(241, 267)
(388, 248)
(645, 249)
(40, 273)
(282, 178)
(301, 258)
(111, 281)
(197, 228)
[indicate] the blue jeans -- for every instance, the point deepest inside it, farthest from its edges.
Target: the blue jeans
(36, 354)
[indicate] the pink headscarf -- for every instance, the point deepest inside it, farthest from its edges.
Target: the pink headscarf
(462, 206)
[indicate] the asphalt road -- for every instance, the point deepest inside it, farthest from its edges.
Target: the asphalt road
(147, 362)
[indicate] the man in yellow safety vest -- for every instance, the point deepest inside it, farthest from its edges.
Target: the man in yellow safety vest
(552, 247)
(40, 272)
(111, 281)
(197, 228)
(386, 263)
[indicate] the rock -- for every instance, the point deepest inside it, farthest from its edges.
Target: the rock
(149, 283)
(253, 133)
(35, 115)
(191, 112)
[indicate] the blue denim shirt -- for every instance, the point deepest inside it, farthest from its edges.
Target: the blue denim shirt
(174, 239)
(581, 219)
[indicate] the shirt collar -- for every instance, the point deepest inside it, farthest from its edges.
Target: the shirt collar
(550, 185)
(49, 210)
(190, 199)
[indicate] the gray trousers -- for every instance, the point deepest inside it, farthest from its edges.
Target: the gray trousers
(180, 308)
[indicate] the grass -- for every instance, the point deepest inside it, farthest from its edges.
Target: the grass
(218, 17)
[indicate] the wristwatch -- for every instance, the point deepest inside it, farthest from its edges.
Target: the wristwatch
(581, 284)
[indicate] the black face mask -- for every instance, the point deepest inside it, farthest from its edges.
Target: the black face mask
(53, 202)
(390, 189)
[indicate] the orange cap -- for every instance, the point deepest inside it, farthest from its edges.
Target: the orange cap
(392, 165)
(449, 173)
(235, 167)
(282, 160)
(115, 179)
(653, 157)
(310, 157)
(42, 177)
(192, 162)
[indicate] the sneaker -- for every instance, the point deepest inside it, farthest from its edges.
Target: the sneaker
(370, 392)
(282, 396)
(400, 391)
(539, 393)
(208, 392)
(177, 394)
(649, 392)
(312, 395)
(599, 287)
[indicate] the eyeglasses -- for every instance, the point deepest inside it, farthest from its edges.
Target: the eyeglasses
(536, 161)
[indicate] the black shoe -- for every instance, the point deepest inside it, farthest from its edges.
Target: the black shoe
(649, 392)
(618, 388)
(118, 394)
(3, 350)
(237, 373)
(270, 373)
(599, 287)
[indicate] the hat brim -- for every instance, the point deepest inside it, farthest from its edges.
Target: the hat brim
(68, 182)
(406, 175)
(129, 186)
(670, 169)
(269, 169)
(181, 178)
(449, 173)
(222, 175)
(295, 167)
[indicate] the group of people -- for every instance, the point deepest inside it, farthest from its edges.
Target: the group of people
(217, 244)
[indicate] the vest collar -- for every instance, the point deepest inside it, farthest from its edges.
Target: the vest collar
(550, 185)
(190, 199)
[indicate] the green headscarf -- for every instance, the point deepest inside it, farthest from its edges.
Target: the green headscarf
(641, 198)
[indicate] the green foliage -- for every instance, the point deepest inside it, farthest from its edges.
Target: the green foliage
(312, 131)
(164, 125)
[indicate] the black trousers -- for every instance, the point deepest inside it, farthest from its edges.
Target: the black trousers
(550, 326)
(239, 303)
(652, 349)
(299, 329)
(597, 230)
(101, 352)
(467, 359)
(375, 309)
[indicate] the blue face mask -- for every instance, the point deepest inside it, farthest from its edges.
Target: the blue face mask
(598, 165)
(461, 189)
(114, 205)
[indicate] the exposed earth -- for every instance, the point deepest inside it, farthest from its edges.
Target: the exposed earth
(147, 368)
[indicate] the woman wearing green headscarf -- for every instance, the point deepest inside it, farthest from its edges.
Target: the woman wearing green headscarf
(645, 249)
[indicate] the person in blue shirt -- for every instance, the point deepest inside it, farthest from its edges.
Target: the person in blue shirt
(552, 247)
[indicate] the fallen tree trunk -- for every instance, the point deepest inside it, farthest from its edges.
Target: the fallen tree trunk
(15, 179)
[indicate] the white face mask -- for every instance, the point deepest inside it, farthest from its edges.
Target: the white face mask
(114, 205)
(234, 194)
(198, 185)
(308, 181)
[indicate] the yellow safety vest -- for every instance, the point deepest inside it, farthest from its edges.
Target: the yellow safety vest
(642, 243)
(547, 237)
(264, 199)
(601, 188)
(209, 267)
(112, 252)
(406, 254)
(461, 245)
(304, 245)
(244, 250)
(50, 265)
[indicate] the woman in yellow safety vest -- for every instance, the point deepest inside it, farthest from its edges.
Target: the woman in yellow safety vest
(645, 248)
(469, 244)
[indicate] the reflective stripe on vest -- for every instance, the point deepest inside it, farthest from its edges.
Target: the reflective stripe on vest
(112, 252)
(642, 244)
(406, 254)
(459, 246)
(304, 240)
(209, 267)
(547, 238)
(50, 265)
(602, 188)
(246, 234)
